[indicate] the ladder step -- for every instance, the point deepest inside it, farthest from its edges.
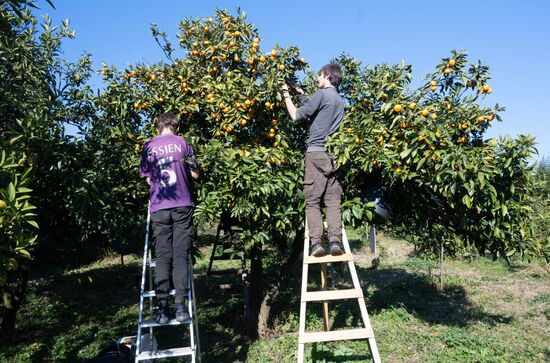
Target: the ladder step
(328, 258)
(152, 323)
(223, 286)
(232, 271)
(227, 257)
(152, 293)
(332, 295)
(329, 336)
(166, 353)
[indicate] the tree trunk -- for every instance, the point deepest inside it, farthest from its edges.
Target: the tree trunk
(282, 278)
(256, 289)
(12, 299)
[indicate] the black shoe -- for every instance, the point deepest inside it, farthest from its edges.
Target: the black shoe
(182, 315)
(162, 316)
(317, 250)
(335, 248)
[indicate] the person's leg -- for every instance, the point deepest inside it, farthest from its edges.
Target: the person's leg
(183, 239)
(162, 237)
(333, 196)
(314, 187)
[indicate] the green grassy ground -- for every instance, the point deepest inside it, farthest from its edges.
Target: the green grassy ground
(487, 311)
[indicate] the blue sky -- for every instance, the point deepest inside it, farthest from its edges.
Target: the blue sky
(509, 36)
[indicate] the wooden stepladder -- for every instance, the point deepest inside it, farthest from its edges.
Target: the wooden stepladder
(326, 295)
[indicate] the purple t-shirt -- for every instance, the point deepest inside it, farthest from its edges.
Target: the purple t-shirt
(162, 160)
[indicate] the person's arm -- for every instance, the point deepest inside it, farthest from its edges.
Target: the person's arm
(291, 108)
(144, 165)
(193, 165)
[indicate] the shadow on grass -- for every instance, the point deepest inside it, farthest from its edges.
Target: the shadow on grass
(420, 297)
(322, 355)
(415, 292)
(70, 315)
(221, 325)
(64, 314)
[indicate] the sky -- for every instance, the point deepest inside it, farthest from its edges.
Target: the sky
(508, 36)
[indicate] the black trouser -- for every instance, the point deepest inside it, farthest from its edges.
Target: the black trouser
(173, 237)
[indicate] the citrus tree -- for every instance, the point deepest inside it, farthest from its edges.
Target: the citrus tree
(224, 88)
(427, 146)
(39, 93)
(539, 206)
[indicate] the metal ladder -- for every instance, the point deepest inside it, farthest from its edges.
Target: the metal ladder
(326, 295)
(222, 242)
(151, 352)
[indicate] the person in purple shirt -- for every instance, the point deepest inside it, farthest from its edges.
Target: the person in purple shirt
(169, 164)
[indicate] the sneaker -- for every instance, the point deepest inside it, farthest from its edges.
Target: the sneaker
(317, 250)
(335, 248)
(182, 315)
(162, 315)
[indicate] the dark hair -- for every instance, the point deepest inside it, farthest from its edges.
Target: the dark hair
(333, 73)
(167, 119)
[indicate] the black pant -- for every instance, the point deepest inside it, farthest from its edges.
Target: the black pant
(173, 237)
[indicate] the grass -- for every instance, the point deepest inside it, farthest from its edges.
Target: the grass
(487, 311)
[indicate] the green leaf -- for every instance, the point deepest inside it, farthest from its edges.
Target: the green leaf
(467, 201)
(23, 252)
(357, 211)
(405, 153)
(504, 210)
(11, 192)
(14, 140)
(33, 223)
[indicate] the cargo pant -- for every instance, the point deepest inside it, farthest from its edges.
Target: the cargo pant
(173, 237)
(321, 186)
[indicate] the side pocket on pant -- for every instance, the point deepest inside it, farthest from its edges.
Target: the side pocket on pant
(309, 187)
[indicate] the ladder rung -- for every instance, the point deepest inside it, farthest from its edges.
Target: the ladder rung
(233, 271)
(328, 258)
(227, 257)
(328, 336)
(152, 323)
(223, 286)
(174, 352)
(152, 293)
(332, 295)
